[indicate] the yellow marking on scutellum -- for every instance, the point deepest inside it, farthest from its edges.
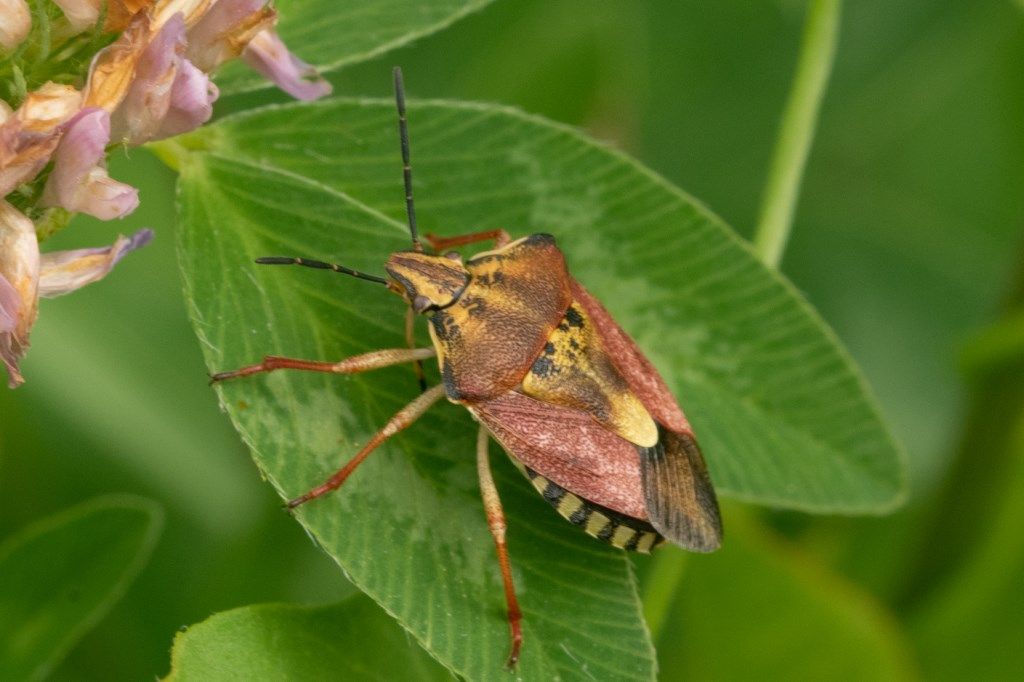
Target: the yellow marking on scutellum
(624, 532)
(574, 370)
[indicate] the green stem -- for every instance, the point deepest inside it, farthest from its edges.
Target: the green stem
(799, 119)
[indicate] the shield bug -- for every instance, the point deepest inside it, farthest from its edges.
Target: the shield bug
(546, 372)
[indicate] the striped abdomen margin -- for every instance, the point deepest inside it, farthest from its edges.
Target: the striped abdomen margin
(606, 525)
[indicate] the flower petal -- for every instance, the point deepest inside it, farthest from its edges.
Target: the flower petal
(192, 98)
(113, 68)
(148, 98)
(192, 10)
(81, 14)
(62, 272)
(15, 22)
(120, 13)
(48, 107)
(19, 281)
(224, 31)
(267, 54)
(79, 181)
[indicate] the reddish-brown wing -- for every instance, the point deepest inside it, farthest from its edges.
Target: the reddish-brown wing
(568, 447)
(636, 369)
(680, 500)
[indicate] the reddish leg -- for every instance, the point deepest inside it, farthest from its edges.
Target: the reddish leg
(352, 365)
(405, 416)
(500, 237)
(496, 524)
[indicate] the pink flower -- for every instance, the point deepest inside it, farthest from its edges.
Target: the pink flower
(233, 27)
(25, 275)
(15, 23)
(148, 98)
(267, 54)
(168, 94)
(79, 181)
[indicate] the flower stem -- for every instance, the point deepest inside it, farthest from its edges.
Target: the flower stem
(799, 119)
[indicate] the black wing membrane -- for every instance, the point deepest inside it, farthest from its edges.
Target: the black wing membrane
(680, 500)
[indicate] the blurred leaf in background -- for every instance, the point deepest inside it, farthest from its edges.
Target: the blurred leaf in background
(61, 575)
(908, 227)
(353, 640)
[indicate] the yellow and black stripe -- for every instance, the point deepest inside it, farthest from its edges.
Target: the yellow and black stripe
(618, 530)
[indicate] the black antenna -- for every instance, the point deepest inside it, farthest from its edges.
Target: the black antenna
(403, 134)
(285, 260)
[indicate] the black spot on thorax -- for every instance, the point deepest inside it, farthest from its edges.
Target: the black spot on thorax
(474, 305)
(573, 317)
(544, 367)
(445, 327)
(448, 377)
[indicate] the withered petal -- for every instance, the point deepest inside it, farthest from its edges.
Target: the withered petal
(62, 272)
(19, 280)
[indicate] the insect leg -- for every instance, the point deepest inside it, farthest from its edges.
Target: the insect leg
(410, 340)
(403, 418)
(352, 365)
(500, 237)
(496, 524)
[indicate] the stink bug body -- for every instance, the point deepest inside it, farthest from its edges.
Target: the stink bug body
(547, 372)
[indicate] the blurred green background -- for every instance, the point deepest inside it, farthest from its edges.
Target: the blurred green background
(908, 239)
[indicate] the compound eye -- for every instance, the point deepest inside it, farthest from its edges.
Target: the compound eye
(421, 303)
(453, 255)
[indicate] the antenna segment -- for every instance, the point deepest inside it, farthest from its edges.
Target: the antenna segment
(403, 133)
(320, 265)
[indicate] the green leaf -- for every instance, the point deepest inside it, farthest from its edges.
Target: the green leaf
(331, 34)
(782, 413)
(60, 576)
(966, 608)
(353, 640)
(787, 618)
(971, 626)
